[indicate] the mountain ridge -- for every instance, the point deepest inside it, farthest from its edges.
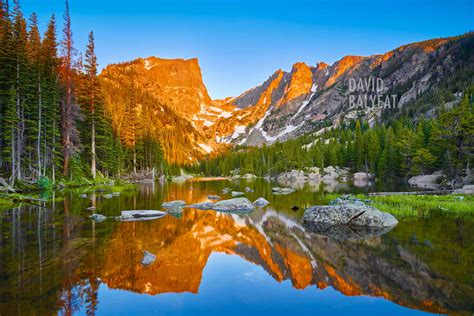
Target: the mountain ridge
(286, 105)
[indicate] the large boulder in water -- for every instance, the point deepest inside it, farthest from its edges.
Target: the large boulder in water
(427, 181)
(348, 219)
(238, 205)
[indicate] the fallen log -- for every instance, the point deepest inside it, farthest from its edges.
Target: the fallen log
(7, 187)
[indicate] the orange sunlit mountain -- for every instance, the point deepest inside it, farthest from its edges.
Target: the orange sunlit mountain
(168, 99)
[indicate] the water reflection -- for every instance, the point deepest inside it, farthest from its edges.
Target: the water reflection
(53, 258)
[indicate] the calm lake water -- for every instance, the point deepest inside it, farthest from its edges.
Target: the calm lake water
(55, 260)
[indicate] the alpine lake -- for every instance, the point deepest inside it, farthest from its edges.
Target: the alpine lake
(55, 260)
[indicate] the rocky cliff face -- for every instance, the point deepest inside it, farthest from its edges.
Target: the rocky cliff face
(309, 97)
(165, 98)
(169, 97)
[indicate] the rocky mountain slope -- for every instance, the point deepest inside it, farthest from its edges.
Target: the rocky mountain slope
(170, 98)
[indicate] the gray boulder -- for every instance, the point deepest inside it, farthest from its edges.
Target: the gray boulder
(148, 258)
(140, 215)
(247, 189)
(213, 197)
(361, 176)
(347, 219)
(237, 205)
(173, 204)
(202, 206)
(92, 208)
(108, 196)
(98, 218)
(467, 189)
(226, 190)
(237, 193)
(261, 202)
(427, 181)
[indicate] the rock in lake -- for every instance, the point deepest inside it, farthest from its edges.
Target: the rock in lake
(237, 193)
(249, 176)
(238, 205)
(362, 176)
(92, 208)
(278, 190)
(348, 219)
(179, 179)
(148, 258)
(247, 189)
(175, 212)
(116, 193)
(108, 196)
(83, 196)
(140, 215)
(261, 202)
(173, 204)
(98, 218)
(213, 197)
(467, 189)
(226, 190)
(202, 206)
(427, 181)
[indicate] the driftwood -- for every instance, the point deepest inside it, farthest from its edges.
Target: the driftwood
(440, 192)
(7, 187)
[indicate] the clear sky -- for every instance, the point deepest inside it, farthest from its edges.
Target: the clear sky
(241, 43)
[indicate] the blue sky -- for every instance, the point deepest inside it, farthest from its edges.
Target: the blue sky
(241, 43)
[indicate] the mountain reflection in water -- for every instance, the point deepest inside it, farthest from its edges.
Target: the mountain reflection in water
(56, 260)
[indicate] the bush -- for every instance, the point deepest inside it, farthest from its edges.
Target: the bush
(44, 183)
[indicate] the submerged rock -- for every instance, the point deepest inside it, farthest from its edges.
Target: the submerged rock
(172, 204)
(92, 208)
(202, 206)
(238, 205)
(348, 218)
(261, 202)
(108, 196)
(116, 193)
(98, 218)
(226, 190)
(175, 212)
(237, 193)
(247, 189)
(278, 190)
(148, 258)
(213, 197)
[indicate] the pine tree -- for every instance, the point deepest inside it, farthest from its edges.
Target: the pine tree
(70, 111)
